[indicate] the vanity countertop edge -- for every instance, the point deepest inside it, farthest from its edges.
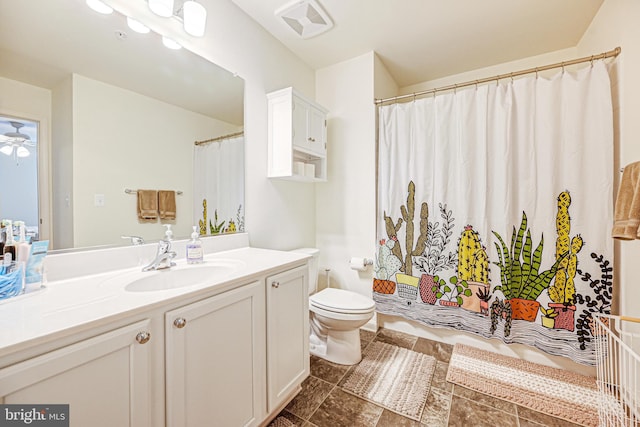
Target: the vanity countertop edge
(71, 306)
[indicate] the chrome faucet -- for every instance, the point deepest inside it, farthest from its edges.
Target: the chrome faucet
(165, 255)
(135, 240)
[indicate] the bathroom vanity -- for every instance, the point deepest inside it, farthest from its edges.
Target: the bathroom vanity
(222, 343)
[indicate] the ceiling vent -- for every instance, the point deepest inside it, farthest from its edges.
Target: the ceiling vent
(305, 17)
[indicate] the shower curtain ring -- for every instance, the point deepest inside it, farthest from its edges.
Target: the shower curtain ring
(562, 64)
(536, 72)
(455, 88)
(592, 60)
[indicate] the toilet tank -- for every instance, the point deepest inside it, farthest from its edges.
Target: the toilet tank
(313, 266)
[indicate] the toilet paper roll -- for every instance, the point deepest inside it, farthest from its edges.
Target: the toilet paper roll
(357, 264)
(298, 168)
(310, 170)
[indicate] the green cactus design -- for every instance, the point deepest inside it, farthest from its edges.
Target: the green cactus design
(473, 261)
(519, 267)
(217, 228)
(408, 214)
(563, 289)
(387, 264)
(203, 222)
(451, 293)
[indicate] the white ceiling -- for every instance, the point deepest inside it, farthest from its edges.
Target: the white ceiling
(421, 40)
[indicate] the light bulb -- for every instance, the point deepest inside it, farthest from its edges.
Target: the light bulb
(195, 18)
(137, 26)
(170, 43)
(99, 7)
(162, 8)
(7, 149)
(22, 152)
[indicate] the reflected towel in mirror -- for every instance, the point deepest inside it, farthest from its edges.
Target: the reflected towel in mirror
(627, 209)
(147, 205)
(167, 204)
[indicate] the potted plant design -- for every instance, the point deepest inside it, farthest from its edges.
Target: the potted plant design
(387, 265)
(548, 317)
(521, 281)
(407, 284)
(434, 258)
(563, 291)
(473, 267)
(484, 295)
(450, 296)
(501, 309)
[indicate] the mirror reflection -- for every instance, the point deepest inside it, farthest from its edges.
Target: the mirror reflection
(117, 110)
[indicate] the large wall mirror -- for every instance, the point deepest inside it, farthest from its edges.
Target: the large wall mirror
(115, 110)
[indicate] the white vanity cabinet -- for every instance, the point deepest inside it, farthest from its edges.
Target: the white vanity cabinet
(287, 334)
(297, 137)
(228, 355)
(106, 380)
(214, 360)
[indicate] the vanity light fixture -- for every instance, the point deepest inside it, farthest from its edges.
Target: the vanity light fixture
(137, 26)
(162, 8)
(194, 16)
(100, 7)
(170, 43)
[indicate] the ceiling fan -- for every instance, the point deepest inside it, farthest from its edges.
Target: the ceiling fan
(15, 143)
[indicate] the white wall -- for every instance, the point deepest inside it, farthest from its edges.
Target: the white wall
(345, 213)
(62, 159)
(34, 103)
(616, 24)
(279, 214)
(128, 140)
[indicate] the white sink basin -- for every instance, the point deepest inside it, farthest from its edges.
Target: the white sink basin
(179, 276)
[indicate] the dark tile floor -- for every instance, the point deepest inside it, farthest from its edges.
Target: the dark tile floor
(323, 403)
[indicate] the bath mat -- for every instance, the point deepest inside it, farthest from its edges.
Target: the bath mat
(393, 377)
(556, 392)
(281, 422)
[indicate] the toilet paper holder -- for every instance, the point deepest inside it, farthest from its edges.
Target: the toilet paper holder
(360, 264)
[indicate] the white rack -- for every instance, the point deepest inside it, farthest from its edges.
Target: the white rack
(617, 340)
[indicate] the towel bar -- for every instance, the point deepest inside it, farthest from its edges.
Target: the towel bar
(130, 191)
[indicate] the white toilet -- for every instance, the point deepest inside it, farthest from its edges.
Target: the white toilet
(335, 316)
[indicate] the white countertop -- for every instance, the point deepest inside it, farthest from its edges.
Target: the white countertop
(67, 306)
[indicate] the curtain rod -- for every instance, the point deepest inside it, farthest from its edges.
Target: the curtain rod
(219, 138)
(612, 53)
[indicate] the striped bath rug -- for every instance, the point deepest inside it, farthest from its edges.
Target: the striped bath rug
(556, 392)
(393, 377)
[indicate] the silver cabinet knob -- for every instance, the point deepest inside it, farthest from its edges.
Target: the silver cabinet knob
(275, 284)
(311, 139)
(143, 337)
(180, 322)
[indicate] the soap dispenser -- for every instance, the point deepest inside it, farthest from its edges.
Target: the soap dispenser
(168, 234)
(23, 249)
(194, 248)
(10, 243)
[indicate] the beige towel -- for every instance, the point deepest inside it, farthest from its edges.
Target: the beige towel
(627, 211)
(167, 204)
(147, 205)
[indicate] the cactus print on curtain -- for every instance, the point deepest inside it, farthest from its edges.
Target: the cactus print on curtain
(494, 210)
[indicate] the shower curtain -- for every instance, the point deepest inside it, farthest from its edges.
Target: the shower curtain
(495, 208)
(219, 186)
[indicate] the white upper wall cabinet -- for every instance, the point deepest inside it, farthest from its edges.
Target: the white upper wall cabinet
(297, 137)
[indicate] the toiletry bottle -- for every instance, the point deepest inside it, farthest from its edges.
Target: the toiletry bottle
(194, 248)
(9, 243)
(22, 247)
(2, 230)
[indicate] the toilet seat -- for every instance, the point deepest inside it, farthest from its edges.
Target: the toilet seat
(341, 301)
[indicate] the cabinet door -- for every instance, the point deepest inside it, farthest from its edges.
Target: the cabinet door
(287, 334)
(105, 379)
(299, 123)
(215, 360)
(316, 131)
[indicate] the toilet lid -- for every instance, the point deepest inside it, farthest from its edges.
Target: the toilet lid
(342, 301)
